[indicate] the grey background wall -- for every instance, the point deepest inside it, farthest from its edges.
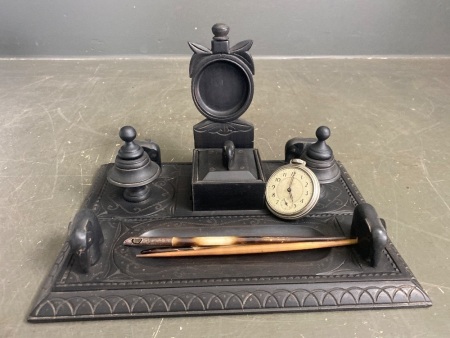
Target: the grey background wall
(303, 27)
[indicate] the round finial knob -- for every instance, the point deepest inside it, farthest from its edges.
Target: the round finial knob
(129, 150)
(220, 31)
(323, 133)
(127, 133)
(320, 151)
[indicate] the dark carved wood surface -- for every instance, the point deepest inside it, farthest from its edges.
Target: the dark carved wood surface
(120, 285)
(209, 134)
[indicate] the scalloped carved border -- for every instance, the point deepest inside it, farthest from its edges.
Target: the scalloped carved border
(232, 300)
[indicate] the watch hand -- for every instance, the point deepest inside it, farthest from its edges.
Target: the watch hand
(290, 183)
(290, 190)
(290, 194)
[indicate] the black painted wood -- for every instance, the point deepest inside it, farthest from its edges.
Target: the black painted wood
(210, 134)
(216, 187)
(222, 81)
(121, 286)
(221, 193)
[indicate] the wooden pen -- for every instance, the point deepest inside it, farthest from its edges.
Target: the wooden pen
(205, 241)
(245, 249)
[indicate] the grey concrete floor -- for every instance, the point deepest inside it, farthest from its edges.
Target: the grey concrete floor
(390, 122)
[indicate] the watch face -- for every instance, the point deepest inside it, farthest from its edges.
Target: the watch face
(222, 89)
(292, 191)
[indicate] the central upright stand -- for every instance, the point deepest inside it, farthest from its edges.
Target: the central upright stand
(227, 173)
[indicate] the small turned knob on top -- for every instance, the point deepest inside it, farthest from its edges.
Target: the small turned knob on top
(127, 133)
(323, 133)
(220, 31)
(129, 150)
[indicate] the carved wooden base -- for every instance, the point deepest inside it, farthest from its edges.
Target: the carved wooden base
(122, 286)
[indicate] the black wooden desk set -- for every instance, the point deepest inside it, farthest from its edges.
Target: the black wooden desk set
(228, 233)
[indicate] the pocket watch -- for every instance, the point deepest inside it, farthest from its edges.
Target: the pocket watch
(292, 190)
